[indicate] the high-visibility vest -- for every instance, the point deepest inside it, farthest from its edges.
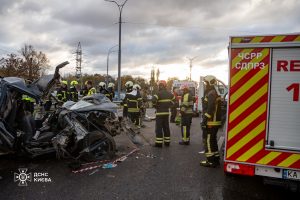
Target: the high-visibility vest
(187, 104)
(91, 91)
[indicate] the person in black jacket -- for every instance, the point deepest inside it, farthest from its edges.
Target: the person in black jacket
(211, 122)
(73, 93)
(111, 91)
(128, 87)
(62, 93)
(162, 101)
(134, 104)
(102, 89)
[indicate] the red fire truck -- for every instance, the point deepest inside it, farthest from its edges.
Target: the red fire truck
(263, 118)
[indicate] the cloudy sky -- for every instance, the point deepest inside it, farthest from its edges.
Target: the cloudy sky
(155, 33)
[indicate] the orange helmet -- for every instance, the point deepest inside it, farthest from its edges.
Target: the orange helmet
(184, 87)
(162, 83)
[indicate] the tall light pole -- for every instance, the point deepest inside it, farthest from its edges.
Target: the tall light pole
(107, 61)
(191, 65)
(120, 6)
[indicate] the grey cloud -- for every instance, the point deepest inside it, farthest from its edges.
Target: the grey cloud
(154, 32)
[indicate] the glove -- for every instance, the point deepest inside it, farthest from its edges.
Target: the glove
(204, 122)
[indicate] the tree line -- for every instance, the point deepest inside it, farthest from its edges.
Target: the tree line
(31, 64)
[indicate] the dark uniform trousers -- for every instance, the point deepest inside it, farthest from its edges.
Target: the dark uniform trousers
(135, 118)
(162, 129)
(212, 114)
(186, 121)
(211, 144)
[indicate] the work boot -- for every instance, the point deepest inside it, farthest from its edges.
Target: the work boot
(217, 160)
(205, 163)
(167, 144)
(158, 145)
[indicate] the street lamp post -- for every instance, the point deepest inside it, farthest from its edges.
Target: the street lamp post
(120, 6)
(107, 62)
(191, 65)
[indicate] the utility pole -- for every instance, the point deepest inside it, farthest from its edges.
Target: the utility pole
(107, 62)
(78, 63)
(191, 65)
(120, 6)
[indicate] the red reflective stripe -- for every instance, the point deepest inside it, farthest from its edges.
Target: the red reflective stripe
(289, 38)
(267, 39)
(247, 146)
(250, 92)
(279, 159)
(248, 128)
(296, 165)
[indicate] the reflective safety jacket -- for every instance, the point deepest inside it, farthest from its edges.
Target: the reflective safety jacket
(91, 91)
(133, 101)
(187, 104)
(28, 98)
(212, 108)
(73, 94)
(105, 92)
(163, 101)
(111, 93)
(62, 94)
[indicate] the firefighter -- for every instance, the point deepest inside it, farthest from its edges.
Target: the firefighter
(111, 91)
(134, 103)
(186, 111)
(174, 107)
(73, 93)
(211, 122)
(162, 101)
(91, 90)
(138, 88)
(102, 89)
(128, 87)
(62, 93)
(84, 90)
(28, 103)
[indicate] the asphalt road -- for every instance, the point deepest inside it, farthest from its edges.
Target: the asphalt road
(150, 173)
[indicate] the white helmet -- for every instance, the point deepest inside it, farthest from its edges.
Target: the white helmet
(102, 84)
(129, 84)
(137, 87)
(211, 80)
(111, 85)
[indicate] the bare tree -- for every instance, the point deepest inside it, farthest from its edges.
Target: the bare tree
(34, 63)
(11, 65)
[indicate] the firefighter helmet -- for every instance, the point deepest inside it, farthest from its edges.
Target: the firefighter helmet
(137, 87)
(162, 83)
(129, 84)
(111, 85)
(64, 82)
(73, 83)
(184, 87)
(102, 84)
(211, 80)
